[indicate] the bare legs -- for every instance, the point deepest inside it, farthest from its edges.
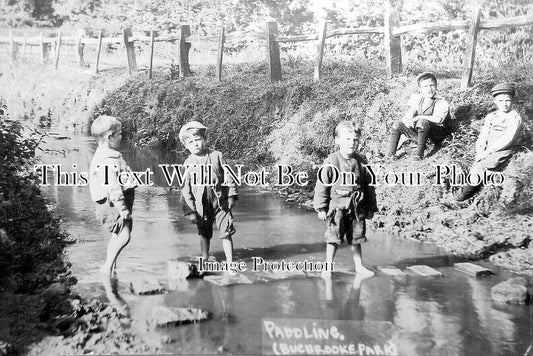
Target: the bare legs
(114, 247)
(331, 250)
(205, 243)
(227, 245)
(358, 261)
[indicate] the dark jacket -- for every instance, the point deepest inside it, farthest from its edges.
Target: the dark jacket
(339, 196)
(192, 193)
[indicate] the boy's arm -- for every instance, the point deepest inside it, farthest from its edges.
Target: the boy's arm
(115, 193)
(512, 131)
(232, 187)
(409, 117)
(440, 112)
(323, 192)
(187, 197)
(369, 191)
(482, 139)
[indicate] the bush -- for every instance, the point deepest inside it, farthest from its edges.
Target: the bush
(30, 237)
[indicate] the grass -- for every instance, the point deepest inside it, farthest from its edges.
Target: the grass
(262, 124)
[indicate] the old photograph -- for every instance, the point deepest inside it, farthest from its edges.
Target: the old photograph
(258, 177)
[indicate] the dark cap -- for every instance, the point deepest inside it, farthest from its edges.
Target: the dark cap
(424, 76)
(348, 125)
(503, 88)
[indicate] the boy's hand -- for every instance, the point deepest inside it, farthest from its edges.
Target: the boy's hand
(410, 122)
(231, 203)
(480, 156)
(192, 217)
(322, 215)
(125, 214)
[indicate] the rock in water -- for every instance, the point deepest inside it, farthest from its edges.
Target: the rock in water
(144, 287)
(424, 271)
(472, 269)
(511, 291)
(56, 289)
(163, 316)
(391, 271)
(182, 270)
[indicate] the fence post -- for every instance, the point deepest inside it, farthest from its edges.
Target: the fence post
(130, 50)
(81, 47)
(185, 70)
(13, 47)
(44, 49)
(98, 52)
(393, 48)
(24, 44)
(468, 64)
(152, 41)
(274, 61)
(322, 28)
(58, 49)
(221, 40)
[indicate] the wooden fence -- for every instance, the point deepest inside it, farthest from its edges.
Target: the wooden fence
(391, 31)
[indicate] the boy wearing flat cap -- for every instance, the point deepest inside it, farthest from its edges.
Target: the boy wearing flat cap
(498, 138)
(427, 117)
(205, 203)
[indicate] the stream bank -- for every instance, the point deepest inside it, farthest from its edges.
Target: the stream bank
(290, 122)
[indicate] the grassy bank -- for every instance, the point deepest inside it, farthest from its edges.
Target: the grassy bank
(292, 121)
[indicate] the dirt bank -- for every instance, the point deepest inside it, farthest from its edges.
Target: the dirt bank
(291, 122)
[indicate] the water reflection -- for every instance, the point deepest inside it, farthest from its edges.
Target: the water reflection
(497, 328)
(453, 315)
(113, 297)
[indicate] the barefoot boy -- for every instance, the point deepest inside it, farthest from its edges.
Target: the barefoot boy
(427, 116)
(345, 205)
(210, 201)
(498, 139)
(113, 201)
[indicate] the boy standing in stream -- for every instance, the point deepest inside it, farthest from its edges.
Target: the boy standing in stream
(345, 205)
(205, 203)
(113, 201)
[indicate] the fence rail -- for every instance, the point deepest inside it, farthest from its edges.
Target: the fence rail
(392, 37)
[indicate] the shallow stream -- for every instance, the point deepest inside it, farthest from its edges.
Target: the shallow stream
(448, 315)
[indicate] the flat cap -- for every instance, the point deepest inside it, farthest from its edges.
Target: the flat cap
(426, 75)
(190, 126)
(503, 88)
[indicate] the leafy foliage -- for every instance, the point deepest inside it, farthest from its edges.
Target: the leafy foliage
(16, 13)
(30, 237)
(205, 17)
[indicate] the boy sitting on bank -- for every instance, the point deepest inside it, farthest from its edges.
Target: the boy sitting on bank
(113, 201)
(207, 202)
(498, 138)
(345, 205)
(427, 117)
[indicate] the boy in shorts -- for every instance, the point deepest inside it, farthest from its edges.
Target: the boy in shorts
(427, 117)
(345, 205)
(205, 203)
(114, 201)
